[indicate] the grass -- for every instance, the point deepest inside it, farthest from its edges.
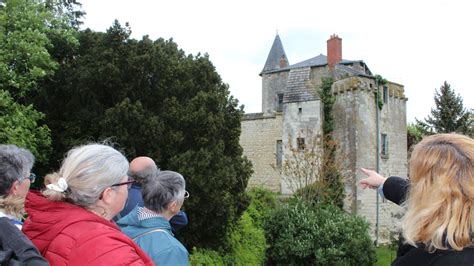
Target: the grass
(385, 255)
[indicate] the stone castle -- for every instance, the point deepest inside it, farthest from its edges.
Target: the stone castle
(291, 106)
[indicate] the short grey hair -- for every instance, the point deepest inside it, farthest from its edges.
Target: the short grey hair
(88, 171)
(158, 192)
(142, 176)
(15, 163)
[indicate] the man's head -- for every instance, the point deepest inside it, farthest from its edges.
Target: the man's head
(142, 168)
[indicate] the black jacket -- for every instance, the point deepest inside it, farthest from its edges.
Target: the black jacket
(16, 248)
(395, 189)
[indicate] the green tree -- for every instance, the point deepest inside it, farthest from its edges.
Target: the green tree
(414, 135)
(20, 125)
(26, 28)
(154, 100)
(24, 43)
(449, 114)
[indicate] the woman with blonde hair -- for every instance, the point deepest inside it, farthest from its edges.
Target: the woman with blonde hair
(439, 220)
(70, 221)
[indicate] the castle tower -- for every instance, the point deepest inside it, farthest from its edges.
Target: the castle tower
(273, 86)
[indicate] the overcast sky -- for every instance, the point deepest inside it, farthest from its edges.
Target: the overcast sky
(419, 44)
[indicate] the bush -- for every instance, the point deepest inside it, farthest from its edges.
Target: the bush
(246, 243)
(205, 257)
(262, 203)
(301, 235)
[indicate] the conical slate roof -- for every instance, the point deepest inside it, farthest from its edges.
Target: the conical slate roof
(276, 53)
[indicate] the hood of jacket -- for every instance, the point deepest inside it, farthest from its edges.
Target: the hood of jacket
(46, 219)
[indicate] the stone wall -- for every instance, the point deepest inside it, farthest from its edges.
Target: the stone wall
(355, 130)
(272, 84)
(300, 120)
(260, 133)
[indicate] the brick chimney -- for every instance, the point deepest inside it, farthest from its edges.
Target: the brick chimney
(334, 50)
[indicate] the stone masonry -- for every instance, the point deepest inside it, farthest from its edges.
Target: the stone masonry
(291, 106)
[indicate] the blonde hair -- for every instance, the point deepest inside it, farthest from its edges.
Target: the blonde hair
(13, 205)
(440, 202)
(88, 171)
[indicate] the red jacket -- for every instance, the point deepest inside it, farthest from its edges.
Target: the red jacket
(67, 234)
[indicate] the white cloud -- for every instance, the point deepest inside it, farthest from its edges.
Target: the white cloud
(419, 44)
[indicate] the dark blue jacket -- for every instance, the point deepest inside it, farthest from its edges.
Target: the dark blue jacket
(16, 248)
(135, 198)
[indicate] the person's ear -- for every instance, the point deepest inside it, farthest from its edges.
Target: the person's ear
(108, 196)
(172, 206)
(14, 188)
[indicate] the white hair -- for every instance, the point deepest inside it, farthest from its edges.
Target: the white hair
(88, 170)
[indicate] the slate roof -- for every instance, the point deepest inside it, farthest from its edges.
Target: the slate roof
(276, 53)
(299, 88)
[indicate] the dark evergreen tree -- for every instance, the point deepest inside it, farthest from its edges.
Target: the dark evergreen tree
(152, 99)
(449, 114)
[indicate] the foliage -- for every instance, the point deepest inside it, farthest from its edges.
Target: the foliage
(68, 10)
(313, 173)
(247, 242)
(19, 125)
(449, 114)
(262, 203)
(24, 57)
(26, 31)
(206, 257)
(379, 81)
(246, 239)
(154, 100)
(331, 170)
(385, 255)
(328, 99)
(302, 235)
(414, 135)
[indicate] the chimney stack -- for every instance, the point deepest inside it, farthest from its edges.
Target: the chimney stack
(334, 45)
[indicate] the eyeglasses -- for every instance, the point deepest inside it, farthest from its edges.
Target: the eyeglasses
(32, 178)
(186, 194)
(128, 183)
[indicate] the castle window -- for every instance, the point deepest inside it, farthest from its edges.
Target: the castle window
(279, 153)
(300, 143)
(300, 110)
(280, 102)
(384, 145)
(385, 94)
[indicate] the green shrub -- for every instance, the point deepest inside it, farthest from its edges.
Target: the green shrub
(246, 243)
(301, 235)
(205, 257)
(262, 203)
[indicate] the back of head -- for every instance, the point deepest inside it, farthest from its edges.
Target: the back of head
(161, 190)
(15, 163)
(88, 170)
(441, 197)
(142, 168)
